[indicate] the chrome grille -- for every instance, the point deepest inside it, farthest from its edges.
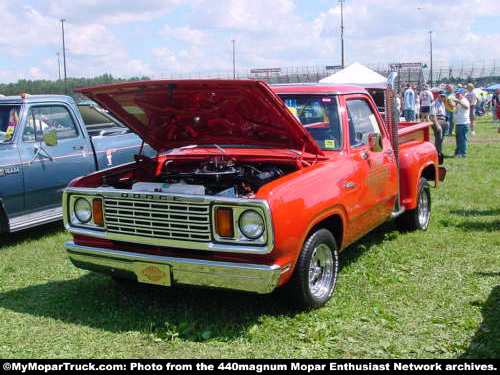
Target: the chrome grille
(158, 219)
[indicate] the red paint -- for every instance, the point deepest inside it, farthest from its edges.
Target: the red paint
(357, 186)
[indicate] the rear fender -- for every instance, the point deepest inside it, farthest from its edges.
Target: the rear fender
(410, 179)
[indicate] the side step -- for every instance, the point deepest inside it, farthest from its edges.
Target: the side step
(395, 214)
(35, 218)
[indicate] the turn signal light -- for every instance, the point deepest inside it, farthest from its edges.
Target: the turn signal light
(97, 212)
(224, 222)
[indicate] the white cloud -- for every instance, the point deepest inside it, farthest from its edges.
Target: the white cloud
(185, 34)
(37, 73)
(249, 16)
(111, 12)
(194, 36)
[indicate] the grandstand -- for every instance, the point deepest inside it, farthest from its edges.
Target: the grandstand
(482, 73)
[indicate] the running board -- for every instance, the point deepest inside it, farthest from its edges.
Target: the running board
(395, 214)
(35, 218)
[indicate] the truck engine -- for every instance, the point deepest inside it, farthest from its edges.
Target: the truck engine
(216, 176)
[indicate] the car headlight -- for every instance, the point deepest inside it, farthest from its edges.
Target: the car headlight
(83, 210)
(251, 224)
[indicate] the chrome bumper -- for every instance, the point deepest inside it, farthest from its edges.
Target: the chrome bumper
(255, 278)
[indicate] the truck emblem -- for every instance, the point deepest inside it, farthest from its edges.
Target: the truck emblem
(153, 273)
(9, 171)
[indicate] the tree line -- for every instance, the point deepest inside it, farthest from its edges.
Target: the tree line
(42, 86)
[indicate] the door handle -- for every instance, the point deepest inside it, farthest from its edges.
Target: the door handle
(364, 155)
(78, 148)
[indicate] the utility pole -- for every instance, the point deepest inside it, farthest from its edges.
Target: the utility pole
(59, 64)
(234, 58)
(430, 36)
(64, 56)
(342, 31)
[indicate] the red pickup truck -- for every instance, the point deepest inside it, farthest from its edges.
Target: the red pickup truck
(253, 186)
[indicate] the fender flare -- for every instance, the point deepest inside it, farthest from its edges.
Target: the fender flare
(336, 210)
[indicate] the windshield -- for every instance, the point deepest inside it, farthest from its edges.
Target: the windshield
(320, 117)
(9, 119)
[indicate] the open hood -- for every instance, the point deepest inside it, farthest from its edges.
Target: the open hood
(172, 114)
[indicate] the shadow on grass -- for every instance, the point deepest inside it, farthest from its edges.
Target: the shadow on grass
(474, 220)
(480, 226)
(192, 314)
(31, 234)
(486, 341)
(97, 301)
(469, 213)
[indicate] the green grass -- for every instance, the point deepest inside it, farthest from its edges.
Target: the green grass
(433, 294)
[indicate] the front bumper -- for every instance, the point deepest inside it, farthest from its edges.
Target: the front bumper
(168, 271)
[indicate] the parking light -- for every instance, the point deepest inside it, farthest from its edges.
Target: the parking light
(224, 222)
(97, 212)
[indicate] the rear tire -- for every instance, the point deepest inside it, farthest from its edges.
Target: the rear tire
(315, 275)
(420, 216)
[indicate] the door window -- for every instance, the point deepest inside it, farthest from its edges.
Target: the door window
(43, 119)
(319, 116)
(362, 122)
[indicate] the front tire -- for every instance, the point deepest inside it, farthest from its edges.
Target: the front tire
(315, 276)
(420, 216)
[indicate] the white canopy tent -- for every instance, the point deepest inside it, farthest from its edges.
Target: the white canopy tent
(359, 75)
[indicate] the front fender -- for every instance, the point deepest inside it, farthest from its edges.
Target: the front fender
(298, 202)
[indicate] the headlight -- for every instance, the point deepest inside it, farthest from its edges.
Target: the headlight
(251, 224)
(83, 210)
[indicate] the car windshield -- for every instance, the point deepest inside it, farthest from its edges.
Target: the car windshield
(9, 119)
(320, 117)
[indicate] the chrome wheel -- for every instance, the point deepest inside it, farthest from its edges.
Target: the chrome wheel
(424, 208)
(315, 274)
(321, 271)
(419, 217)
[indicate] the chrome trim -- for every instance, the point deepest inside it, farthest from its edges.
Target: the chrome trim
(74, 219)
(157, 219)
(256, 278)
(237, 246)
(21, 222)
(239, 237)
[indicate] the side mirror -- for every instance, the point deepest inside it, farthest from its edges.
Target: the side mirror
(50, 138)
(375, 142)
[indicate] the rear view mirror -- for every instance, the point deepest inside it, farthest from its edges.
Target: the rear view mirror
(50, 138)
(375, 142)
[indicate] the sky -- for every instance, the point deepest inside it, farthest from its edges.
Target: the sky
(164, 38)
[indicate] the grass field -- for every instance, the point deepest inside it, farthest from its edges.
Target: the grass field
(433, 294)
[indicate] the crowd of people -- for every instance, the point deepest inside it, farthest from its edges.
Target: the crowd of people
(452, 111)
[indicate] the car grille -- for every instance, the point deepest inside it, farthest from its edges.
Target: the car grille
(166, 220)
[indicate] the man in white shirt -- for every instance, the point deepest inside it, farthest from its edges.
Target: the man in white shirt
(462, 120)
(426, 98)
(438, 118)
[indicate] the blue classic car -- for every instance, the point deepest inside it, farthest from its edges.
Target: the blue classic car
(45, 142)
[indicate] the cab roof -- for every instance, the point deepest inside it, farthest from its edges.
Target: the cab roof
(317, 88)
(17, 99)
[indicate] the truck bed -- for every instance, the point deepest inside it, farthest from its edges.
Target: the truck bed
(414, 131)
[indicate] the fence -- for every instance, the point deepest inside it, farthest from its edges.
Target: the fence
(483, 73)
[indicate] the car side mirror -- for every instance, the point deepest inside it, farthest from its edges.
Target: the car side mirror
(50, 138)
(375, 142)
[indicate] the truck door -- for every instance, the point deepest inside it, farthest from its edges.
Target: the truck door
(48, 169)
(376, 168)
(11, 178)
